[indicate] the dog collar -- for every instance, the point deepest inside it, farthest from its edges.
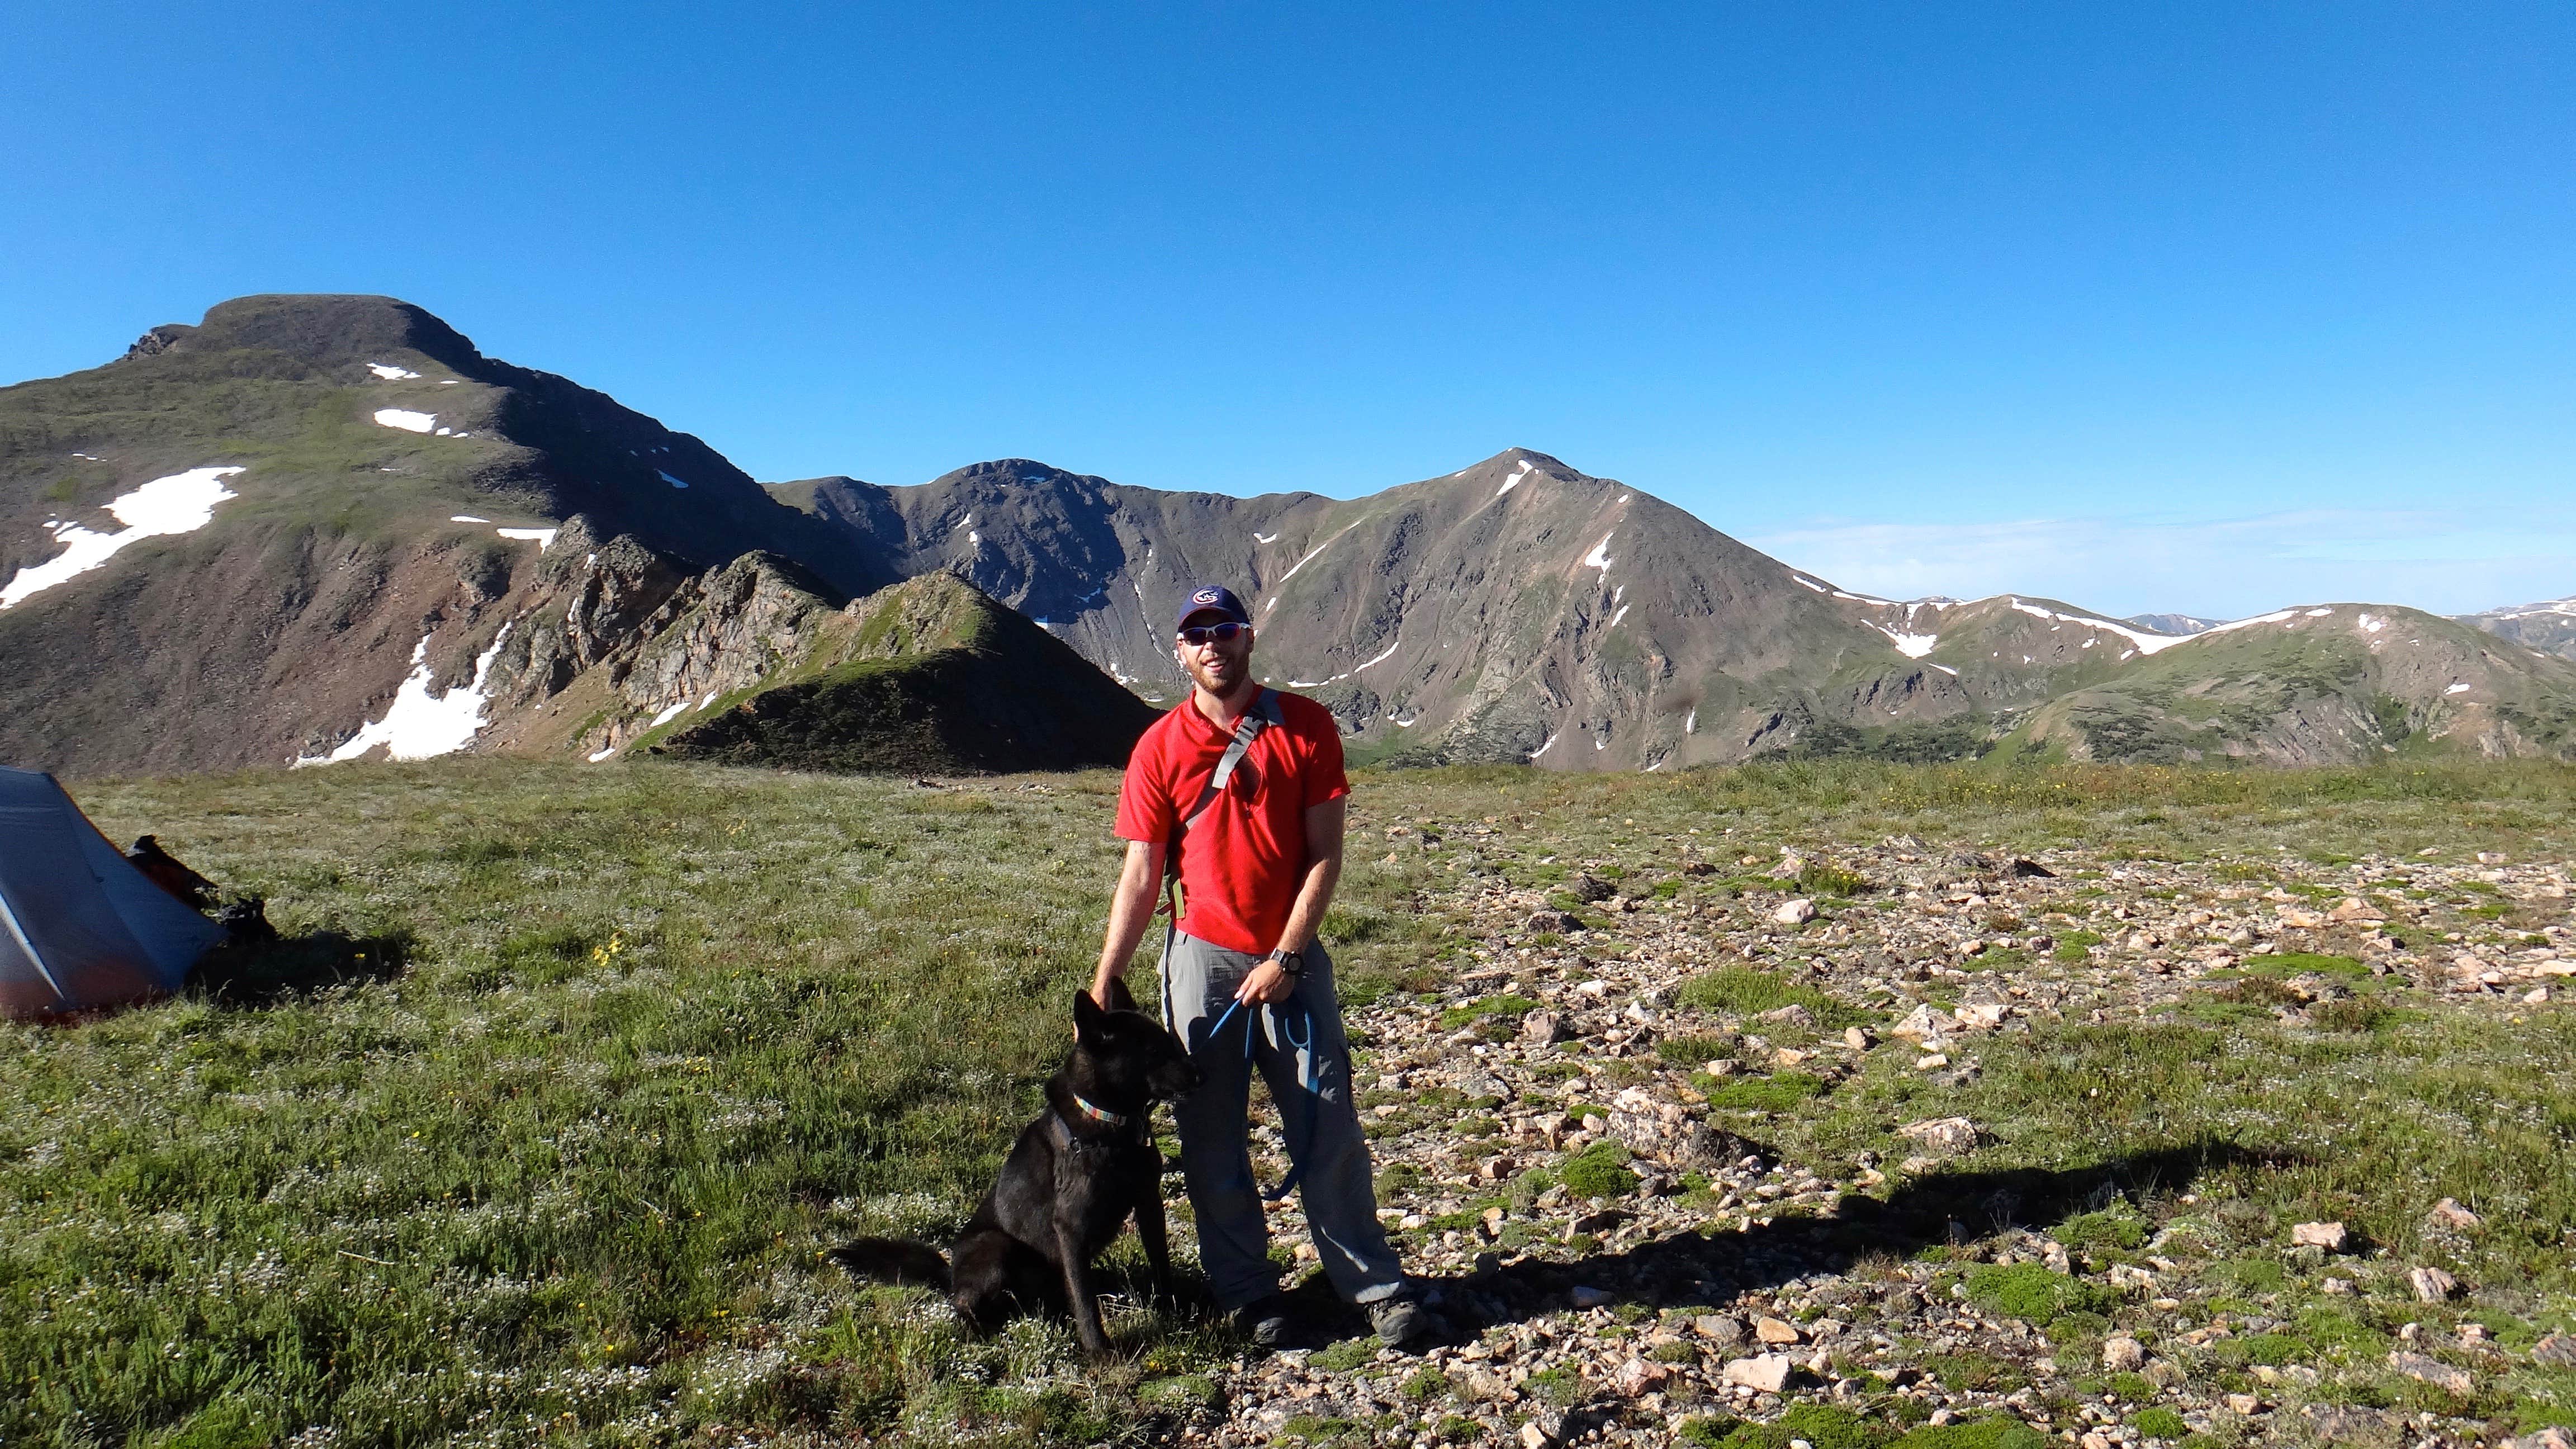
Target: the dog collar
(1114, 1119)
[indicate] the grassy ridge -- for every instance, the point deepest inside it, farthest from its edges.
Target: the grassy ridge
(612, 1053)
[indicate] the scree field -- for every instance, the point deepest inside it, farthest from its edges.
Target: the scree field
(1850, 1105)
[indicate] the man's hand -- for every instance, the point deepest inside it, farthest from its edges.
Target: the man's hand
(1268, 985)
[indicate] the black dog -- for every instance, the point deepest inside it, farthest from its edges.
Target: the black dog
(1073, 1179)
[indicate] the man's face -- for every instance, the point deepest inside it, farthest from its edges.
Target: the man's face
(1218, 666)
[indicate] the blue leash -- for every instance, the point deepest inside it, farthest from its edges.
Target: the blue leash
(1309, 1078)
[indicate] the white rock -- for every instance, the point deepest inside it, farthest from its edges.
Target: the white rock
(2432, 1285)
(1794, 912)
(1764, 1373)
(1942, 1134)
(2329, 1236)
(2122, 1354)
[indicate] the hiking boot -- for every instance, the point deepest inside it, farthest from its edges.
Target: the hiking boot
(1268, 1320)
(1402, 1322)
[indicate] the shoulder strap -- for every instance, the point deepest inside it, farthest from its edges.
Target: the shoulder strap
(1263, 713)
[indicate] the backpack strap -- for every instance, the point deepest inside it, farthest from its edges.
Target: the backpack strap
(1263, 713)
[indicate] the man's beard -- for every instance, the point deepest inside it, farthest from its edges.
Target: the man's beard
(1205, 673)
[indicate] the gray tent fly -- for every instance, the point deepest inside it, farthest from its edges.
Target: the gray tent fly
(80, 926)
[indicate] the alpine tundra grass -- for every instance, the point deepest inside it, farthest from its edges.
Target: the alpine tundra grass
(537, 1128)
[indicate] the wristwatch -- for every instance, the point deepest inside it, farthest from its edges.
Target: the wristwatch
(1292, 962)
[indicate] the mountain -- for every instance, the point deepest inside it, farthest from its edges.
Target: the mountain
(2327, 684)
(1514, 610)
(2549, 627)
(314, 529)
(2173, 623)
(244, 538)
(928, 675)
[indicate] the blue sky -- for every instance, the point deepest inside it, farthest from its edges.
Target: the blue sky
(2195, 307)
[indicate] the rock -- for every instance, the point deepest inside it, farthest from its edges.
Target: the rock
(1558, 922)
(1699, 867)
(1534, 1437)
(1921, 1024)
(2552, 1437)
(2247, 1404)
(1796, 911)
(1791, 866)
(2346, 1424)
(2329, 1236)
(1587, 1296)
(2431, 1285)
(1790, 1015)
(2556, 1350)
(1980, 1016)
(1637, 1376)
(2353, 908)
(2425, 1369)
(1857, 1039)
(2027, 869)
(1947, 1135)
(2449, 1214)
(1590, 889)
(1776, 1331)
(1477, 1083)
(1539, 1028)
(2123, 1354)
(1766, 1374)
(1719, 1329)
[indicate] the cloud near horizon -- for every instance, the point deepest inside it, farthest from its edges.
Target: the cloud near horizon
(2439, 561)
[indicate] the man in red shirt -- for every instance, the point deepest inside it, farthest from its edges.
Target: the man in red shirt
(1260, 850)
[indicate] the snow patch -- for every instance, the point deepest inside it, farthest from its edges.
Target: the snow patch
(162, 508)
(1946, 669)
(2146, 642)
(1912, 646)
(543, 538)
(668, 714)
(2457, 689)
(1379, 659)
(2321, 613)
(1599, 558)
(1514, 481)
(420, 725)
(1273, 601)
(596, 756)
(674, 482)
(1544, 748)
(466, 518)
(406, 419)
(2275, 617)
(2370, 625)
(1265, 538)
(1811, 583)
(1621, 614)
(1690, 722)
(389, 372)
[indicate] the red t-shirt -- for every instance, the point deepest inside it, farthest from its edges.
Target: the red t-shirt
(1240, 863)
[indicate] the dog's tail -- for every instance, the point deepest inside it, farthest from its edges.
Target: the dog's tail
(894, 1260)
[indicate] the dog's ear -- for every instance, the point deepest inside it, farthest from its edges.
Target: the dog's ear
(1120, 998)
(1087, 1017)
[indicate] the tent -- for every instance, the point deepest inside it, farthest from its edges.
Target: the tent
(79, 926)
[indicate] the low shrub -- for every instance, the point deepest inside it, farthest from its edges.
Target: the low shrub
(2032, 1293)
(1600, 1170)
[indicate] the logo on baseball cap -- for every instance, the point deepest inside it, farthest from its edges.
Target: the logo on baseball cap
(1213, 598)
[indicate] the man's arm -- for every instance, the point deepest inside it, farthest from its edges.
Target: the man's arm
(1323, 872)
(1131, 910)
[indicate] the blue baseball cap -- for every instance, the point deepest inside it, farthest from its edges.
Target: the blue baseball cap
(1216, 597)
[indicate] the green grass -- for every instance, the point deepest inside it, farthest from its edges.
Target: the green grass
(547, 1141)
(1749, 991)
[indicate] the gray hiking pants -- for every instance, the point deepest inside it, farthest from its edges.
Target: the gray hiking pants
(1322, 1127)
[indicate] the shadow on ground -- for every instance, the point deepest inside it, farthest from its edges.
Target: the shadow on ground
(1711, 1269)
(256, 968)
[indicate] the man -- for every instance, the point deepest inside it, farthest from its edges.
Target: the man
(1257, 868)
